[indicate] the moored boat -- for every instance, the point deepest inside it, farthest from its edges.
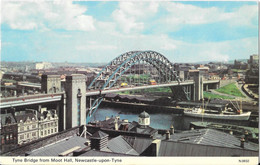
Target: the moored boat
(226, 114)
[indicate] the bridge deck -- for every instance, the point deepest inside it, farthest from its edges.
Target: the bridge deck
(30, 99)
(122, 89)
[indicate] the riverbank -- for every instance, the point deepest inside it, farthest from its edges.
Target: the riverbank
(139, 107)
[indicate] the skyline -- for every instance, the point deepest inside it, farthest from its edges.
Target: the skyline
(97, 32)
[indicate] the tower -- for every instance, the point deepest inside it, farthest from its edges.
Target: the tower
(51, 84)
(144, 119)
(198, 86)
(75, 88)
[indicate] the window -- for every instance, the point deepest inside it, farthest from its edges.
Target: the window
(41, 133)
(7, 137)
(55, 129)
(28, 135)
(48, 125)
(3, 140)
(11, 136)
(28, 127)
(21, 137)
(51, 130)
(21, 128)
(34, 126)
(48, 132)
(78, 109)
(45, 132)
(34, 134)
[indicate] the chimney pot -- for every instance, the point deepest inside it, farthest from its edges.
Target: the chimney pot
(242, 142)
(172, 130)
(168, 135)
(246, 135)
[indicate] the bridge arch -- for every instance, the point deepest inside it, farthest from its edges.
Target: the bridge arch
(115, 69)
(118, 66)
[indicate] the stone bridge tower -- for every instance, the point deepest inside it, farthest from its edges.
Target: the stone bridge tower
(75, 88)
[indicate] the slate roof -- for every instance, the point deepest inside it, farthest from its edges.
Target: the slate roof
(120, 145)
(170, 148)
(138, 143)
(102, 153)
(24, 117)
(134, 127)
(211, 137)
(99, 135)
(56, 148)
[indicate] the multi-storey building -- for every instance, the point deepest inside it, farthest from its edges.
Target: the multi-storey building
(48, 123)
(8, 131)
(27, 125)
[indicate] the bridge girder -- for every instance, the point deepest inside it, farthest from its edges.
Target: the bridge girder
(125, 61)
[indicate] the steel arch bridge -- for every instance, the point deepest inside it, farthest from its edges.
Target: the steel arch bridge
(114, 70)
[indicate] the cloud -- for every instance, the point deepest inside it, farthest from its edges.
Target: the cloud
(45, 15)
(129, 15)
(132, 26)
(185, 14)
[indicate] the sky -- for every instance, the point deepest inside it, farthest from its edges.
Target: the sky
(99, 31)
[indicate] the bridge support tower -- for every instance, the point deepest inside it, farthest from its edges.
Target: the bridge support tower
(75, 88)
(198, 86)
(51, 83)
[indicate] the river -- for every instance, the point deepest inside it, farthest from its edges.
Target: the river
(158, 120)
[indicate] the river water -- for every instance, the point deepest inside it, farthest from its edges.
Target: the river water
(158, 120)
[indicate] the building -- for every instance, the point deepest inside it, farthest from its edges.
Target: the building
(8, 131)
(142, 127)
(27, 126)
(43, 65)
(48, 123)
(240, 65)
(253, 61)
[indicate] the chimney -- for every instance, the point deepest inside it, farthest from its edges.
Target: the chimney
(99, 140)
(116, 125)
(246, 136)
(242, 141)
(168, 135)
(155, 147)
(172, 130)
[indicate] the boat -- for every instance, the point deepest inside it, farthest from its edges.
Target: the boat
(225, 114)
(253, 133)
(228, 114)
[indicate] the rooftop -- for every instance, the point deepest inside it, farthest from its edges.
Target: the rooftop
(211, 137)
(57, 148)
